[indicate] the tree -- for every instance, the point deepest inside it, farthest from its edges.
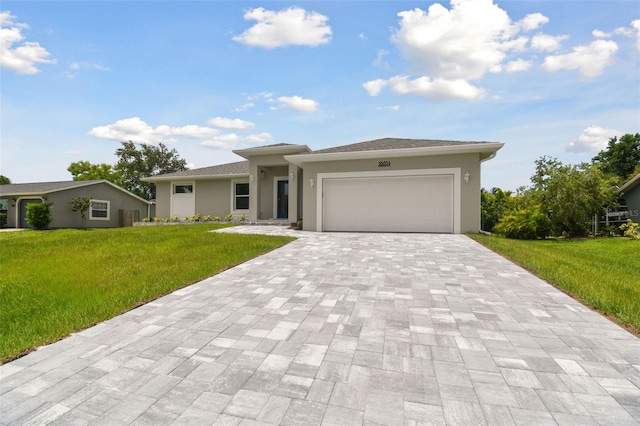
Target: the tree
(495, 204)
(4, 180)
(82, 205)
(572, 194)
(149, 160)
(84, 170)
(621, 157)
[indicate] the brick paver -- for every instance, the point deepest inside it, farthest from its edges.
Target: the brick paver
(341, 329)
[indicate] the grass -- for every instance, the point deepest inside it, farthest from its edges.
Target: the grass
(56, 282)
(603, 273)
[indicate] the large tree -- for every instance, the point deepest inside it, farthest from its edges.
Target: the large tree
(572, 194)
(149, 160)
(4, 180)
(621, 157)
(84, 170)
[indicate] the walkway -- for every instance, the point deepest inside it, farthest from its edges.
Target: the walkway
(341, 329)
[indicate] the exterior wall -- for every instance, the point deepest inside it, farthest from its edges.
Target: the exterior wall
(632, 197)
(64, 217)
(213, 197)
(469, 192)
(261, 189)
(163, 199)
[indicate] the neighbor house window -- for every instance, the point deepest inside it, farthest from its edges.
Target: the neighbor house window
(241, 196)
(99, 210)
(183, 189)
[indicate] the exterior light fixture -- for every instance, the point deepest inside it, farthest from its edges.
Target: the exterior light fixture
(252, 178)
(312, 182)
(466, 177)
(292, 176)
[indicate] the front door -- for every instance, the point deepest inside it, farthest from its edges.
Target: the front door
(282, 199)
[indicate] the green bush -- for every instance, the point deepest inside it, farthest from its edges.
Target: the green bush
(228, 218)
(241, 218)
(524, 224)
(39, 215)
(3, 220)
(630, 229)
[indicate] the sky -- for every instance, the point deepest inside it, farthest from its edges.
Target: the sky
(546, 78)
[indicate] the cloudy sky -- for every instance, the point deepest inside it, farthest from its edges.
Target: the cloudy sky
(554, 78)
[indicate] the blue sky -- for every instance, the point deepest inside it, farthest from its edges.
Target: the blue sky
(554, 78)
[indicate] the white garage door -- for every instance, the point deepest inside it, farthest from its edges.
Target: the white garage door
(389, 204)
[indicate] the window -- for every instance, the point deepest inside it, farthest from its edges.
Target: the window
(99, 210)
(240, 196)
(183, 189)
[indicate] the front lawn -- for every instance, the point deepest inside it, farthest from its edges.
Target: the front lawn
(603, 273)
(55, 282)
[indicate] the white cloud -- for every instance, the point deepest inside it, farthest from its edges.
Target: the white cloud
(138, 131)
(436, 89)
(229, 123)
(25, 55)
(293, 26)
(297, 103)
(590, 60)
(532, 21)
(600, 34)
(636, 26)
(390, 108)
(374, 87)
(76, 67)
(379, 61)
(227, 141)
(518, 65)
(245, 107)
(546, 43)
(259, 138)
(592, 139)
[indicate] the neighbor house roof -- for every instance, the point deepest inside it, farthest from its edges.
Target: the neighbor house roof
(395, 147)
(240, 168)
(42, 188)
(631, 183)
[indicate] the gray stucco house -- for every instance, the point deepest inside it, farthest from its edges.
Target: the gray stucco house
(630, 193)
(383, 185)
(112, 206)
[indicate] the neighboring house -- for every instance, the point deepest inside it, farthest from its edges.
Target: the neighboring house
(630, 194)
(384, 185)
(112, 206)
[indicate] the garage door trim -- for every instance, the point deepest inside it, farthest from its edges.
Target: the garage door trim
(391, 173)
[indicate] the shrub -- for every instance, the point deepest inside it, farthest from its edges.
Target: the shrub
(3, 220)
(630, 229)
(217, 218)
(241, 218)
(228, 218)
(146, 219)
(174, 218)
(524, 224)
(39, 215)
(207, 218)
(196, 218)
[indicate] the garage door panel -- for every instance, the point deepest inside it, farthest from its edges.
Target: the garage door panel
(390, 204)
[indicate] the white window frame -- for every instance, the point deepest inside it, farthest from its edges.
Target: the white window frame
(108, 217)
(233, 197)
(173, 188)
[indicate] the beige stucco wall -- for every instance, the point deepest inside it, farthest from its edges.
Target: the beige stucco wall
(469, 192)
(213, 197)
(163, 199)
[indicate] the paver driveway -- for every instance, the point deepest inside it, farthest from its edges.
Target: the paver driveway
(340, 329)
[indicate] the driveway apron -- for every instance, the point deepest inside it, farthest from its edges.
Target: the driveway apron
(341, 329)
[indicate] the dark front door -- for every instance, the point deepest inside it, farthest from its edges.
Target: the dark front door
(283, 199)
(23, 211)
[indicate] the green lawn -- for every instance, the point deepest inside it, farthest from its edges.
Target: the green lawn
(55, 282)
(603, 273)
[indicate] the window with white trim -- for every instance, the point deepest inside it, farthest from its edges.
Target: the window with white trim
(100, 210)
(183, 189)
(240, 196)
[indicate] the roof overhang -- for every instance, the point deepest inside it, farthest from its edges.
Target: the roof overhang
(487, 150)
(271, 150)
(80, 185)
(632, 183)
(193, 178)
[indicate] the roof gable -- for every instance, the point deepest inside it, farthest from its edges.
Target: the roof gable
(42, 188)
(221, 170)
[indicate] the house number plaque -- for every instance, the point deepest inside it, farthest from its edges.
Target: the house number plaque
(384, 163)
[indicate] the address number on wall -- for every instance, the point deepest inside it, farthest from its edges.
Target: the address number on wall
(384, 163)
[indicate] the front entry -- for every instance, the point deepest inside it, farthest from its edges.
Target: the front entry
(23, 211)
(282, 198)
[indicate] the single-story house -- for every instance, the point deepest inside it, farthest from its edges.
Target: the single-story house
(630, 194)
(383, 185)
(112, 205)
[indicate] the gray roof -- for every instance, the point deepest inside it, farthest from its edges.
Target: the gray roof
(44, 187)
(239, 168)
(392, 143)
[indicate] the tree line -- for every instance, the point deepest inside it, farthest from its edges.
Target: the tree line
(563, 199)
